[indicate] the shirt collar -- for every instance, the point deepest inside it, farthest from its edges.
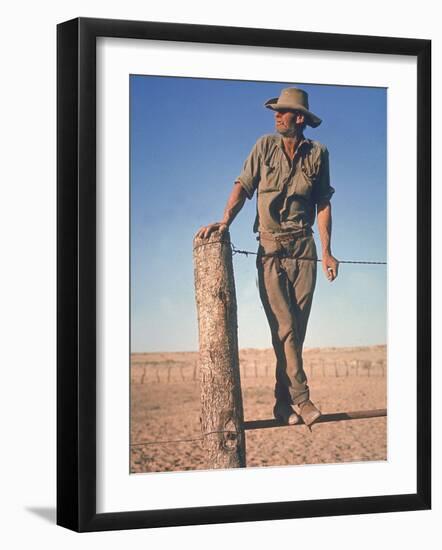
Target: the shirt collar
(303, 143)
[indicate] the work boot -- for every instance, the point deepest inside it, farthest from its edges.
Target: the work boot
(308, 412)
(284, 412)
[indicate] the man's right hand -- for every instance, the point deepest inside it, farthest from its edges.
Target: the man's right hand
(205, 231)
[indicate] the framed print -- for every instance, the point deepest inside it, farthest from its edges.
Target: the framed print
(205, 377)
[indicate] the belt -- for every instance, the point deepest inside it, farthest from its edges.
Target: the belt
(285, 237)
(281, 240)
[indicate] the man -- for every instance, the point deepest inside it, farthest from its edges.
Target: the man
(291, 176)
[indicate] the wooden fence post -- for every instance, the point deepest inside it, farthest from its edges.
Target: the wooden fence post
(222, 419)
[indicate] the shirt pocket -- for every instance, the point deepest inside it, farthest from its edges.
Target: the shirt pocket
(270, 177)
(306, 178)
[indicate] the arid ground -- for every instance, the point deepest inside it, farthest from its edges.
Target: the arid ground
(165, 409)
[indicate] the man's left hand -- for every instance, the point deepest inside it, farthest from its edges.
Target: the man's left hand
(330, 266)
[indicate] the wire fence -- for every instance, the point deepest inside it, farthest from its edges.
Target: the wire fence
(252, 371)
(273, 423)
(168, 372)
(236, 250)
(248, 252)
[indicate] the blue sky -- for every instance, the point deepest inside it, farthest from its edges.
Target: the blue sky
(189, 139)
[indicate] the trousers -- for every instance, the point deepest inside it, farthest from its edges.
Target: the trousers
(287, 278)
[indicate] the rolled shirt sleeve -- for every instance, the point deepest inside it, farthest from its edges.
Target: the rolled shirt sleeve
(250, 175)
(323, 190)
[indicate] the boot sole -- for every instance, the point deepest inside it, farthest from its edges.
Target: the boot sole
(313, 420)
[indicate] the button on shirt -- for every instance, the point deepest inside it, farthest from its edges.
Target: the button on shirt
(287, 190)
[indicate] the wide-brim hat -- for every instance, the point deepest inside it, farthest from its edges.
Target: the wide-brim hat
(296, 100)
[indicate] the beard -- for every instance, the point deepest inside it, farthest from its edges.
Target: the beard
(289, 132)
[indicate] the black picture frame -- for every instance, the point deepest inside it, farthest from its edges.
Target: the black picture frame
(77, 287)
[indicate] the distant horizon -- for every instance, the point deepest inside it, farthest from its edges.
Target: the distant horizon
(269, 348)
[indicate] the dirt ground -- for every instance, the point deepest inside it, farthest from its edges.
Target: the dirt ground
(165, 410)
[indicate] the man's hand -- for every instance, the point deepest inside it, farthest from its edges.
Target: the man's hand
(330, 266)
(205, 231)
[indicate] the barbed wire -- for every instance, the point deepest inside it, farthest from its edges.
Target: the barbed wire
(257, 424)
(189, 440)
(247, 252)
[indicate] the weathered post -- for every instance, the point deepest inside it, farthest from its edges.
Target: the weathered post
(221, 402)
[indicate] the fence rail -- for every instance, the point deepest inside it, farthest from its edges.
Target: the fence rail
(164, 373)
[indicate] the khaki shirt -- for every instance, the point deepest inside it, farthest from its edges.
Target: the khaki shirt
(287, 191)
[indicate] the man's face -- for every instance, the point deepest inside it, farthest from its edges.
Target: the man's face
(288, 123)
